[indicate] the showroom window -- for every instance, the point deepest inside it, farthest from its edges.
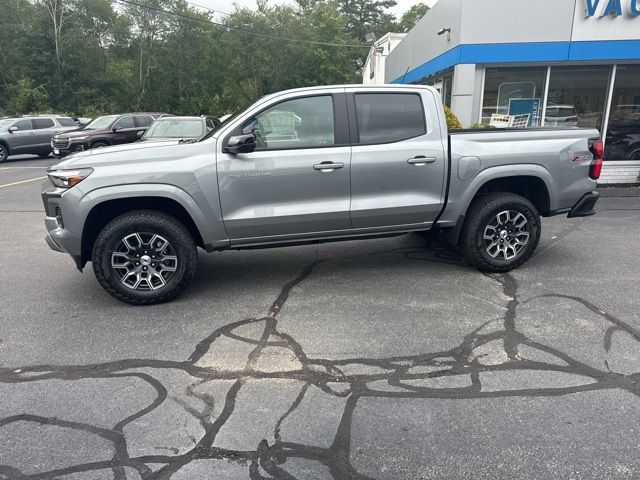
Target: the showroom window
(577, 96)
(623, 133)
(514, 91)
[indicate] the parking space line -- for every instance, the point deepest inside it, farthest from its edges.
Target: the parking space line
(22, 181)
(15, 168)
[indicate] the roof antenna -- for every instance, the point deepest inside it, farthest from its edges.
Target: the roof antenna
(405, 74)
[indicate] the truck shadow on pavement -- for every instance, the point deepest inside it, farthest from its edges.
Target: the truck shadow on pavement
(209, 390)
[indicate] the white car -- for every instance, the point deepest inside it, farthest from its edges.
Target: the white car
(561, 116)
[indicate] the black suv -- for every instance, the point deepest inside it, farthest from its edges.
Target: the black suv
(104, 131)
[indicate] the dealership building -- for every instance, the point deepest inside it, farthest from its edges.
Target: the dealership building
(561, 62)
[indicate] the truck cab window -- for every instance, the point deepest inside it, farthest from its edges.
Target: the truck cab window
(389, 117)
(299, 123)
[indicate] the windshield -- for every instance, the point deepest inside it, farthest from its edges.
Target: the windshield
(560, 112)
(101, 122)
(5, 123)
(219, 126)
(175, 128)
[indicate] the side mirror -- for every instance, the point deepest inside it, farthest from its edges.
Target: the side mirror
(13, 129)
(241, 144)
(140, 133)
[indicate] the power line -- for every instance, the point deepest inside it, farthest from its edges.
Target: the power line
(239, 29)
(213, 10)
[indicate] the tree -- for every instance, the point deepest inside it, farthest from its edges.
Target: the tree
(367, 16)
(27, 97)
(411, 17)
(93, 57)
(59, 13)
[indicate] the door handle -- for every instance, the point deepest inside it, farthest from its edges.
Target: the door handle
(327, 167)
(421, 160)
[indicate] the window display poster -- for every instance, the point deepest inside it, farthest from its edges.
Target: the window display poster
(523, 106)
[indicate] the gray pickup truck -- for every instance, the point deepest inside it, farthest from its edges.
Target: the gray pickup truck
(312, 165)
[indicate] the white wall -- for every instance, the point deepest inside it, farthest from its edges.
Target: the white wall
(422, 43)
(510, 21)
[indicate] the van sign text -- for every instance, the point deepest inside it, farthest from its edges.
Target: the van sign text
(611, 7)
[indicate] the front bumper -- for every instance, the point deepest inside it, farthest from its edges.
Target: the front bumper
(59, 238)
(585, 206)
(62, 149)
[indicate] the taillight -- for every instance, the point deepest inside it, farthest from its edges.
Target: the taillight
(598, 154)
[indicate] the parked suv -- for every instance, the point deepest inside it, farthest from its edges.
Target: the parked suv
(184, 128)
(104, 131)
(31, 134)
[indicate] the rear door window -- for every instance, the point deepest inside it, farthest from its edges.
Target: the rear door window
(389, 117)
(66, 122)
(41, 123)
(125, 122)
(143, 120)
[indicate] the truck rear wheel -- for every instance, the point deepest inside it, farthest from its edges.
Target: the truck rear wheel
(501, 232)
(144, 257)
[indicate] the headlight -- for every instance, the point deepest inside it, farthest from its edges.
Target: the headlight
(68, 178)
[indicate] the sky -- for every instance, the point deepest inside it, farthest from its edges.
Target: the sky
(227, 6)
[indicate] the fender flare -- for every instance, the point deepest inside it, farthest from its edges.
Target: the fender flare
(212, 232)
(470, 190)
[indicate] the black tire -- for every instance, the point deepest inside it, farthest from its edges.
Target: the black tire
(481, 216)
(144, 223)
(99, 144)
(4, 153)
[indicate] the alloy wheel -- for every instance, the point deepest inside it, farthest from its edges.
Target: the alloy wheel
(144, 261)
(506, 235)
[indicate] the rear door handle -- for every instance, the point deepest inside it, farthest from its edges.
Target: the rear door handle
(327, 167)
(421, 160)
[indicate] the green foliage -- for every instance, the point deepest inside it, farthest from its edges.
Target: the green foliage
(91, 57)
(26, 97)
(452, 121)
(412, 16)
(479, 126)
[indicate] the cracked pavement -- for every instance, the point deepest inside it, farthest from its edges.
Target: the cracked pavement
(376, 359)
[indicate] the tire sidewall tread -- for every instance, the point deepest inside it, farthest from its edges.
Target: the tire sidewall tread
(156, 222)
(480, 211)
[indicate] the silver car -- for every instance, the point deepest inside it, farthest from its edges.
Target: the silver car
(31, 134)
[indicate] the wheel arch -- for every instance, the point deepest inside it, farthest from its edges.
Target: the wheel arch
(105, 211)
(531, 187)
(532, 182)
(92, 142)
(6, 145)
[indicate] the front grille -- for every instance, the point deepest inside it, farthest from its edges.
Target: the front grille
(61, 143)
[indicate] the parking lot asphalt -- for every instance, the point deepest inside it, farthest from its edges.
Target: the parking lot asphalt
(370, 359)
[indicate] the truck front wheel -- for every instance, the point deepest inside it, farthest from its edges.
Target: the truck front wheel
(144, 257)
(501, 232)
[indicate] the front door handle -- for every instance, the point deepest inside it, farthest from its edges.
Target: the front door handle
(421, 160)
(327, 167)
